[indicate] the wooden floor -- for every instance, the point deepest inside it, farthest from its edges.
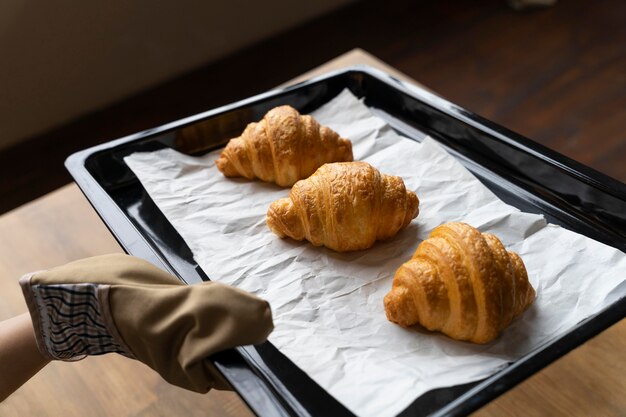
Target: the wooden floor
(556, 75)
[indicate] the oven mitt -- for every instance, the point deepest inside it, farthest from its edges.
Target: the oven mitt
(118, 303)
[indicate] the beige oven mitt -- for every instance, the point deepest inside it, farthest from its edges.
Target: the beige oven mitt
(118, 303)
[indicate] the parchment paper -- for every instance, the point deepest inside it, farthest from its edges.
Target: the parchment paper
(328, 307)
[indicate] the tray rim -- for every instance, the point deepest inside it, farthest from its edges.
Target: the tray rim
(492, 386)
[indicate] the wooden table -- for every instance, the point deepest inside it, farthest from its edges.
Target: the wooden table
(62, 226)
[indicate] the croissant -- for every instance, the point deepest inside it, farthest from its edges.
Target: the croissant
(462, 283)
(344, 206)
(283, 147)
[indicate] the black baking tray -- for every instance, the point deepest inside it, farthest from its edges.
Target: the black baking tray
(519, 171)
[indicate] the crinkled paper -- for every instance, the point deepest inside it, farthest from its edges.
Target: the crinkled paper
(328, 307)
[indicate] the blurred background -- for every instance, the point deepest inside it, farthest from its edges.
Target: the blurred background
(75, 74)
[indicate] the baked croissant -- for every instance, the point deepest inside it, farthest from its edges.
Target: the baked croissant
(283, 147)
(344, 206)
(462, 283)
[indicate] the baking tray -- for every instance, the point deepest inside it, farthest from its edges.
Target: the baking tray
(518, 170)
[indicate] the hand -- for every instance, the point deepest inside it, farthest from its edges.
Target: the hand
(118, 303)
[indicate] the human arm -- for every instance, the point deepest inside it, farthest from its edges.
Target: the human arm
(20, 358)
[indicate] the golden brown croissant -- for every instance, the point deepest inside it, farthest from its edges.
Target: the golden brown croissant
(462, 283)
(344, 206)
(283, 147)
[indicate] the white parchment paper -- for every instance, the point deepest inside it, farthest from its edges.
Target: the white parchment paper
(328, 307)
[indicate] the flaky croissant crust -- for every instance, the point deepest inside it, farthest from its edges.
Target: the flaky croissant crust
(283, 147)
(462, 283)
(345, 207)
